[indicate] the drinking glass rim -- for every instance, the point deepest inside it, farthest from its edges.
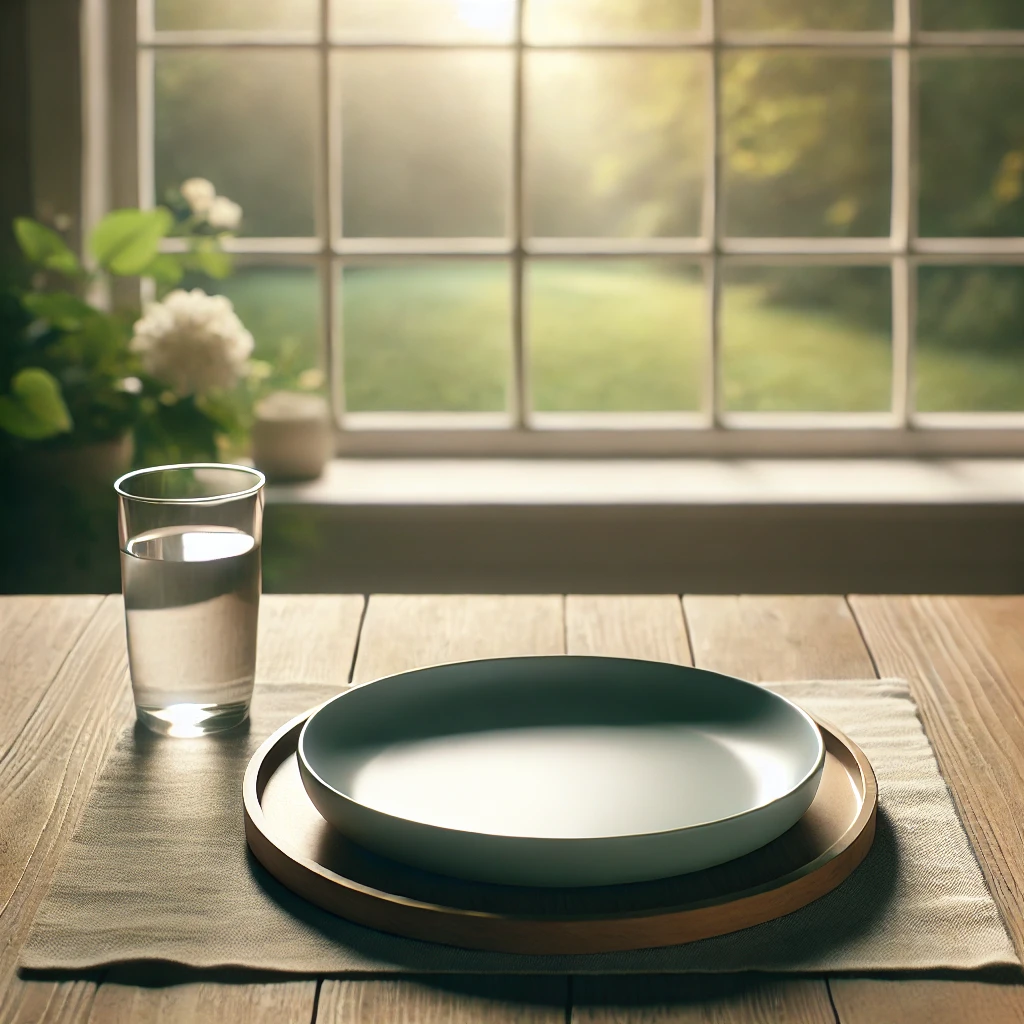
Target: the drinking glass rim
(205, 499)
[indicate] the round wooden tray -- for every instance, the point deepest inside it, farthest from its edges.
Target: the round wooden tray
(290, 839)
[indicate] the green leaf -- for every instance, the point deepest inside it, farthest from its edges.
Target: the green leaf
(62, 309)
(44, 247)
(164, 269)
(214, 262)
(125, 242)
(35, 408)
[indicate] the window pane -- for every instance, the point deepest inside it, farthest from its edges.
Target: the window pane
(180, 15)
(616, 335)
(970, 339)
(424, 20)
(972, 146)
(768, 15)
(426, 337)
(806, 339)
(205, 128)
(567, 21)
(971, 15)
(806, 144)
(616, 144)
(426, 144)
(280, 308)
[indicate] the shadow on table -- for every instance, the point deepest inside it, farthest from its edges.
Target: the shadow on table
(851, 911)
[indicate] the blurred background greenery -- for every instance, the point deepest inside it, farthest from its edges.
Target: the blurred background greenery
(615, 146)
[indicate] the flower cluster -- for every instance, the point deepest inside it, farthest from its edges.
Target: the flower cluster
(193, 342)
(217, 211)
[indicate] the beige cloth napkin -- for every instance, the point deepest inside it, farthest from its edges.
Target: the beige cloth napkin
(159, 870)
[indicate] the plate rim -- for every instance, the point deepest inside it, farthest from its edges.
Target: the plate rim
(693, 828)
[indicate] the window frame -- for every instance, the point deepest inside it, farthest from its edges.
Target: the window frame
(118, 115)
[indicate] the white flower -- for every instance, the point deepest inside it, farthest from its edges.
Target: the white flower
(199, 194)
(130, 385)
(224, 214)
(193, 342)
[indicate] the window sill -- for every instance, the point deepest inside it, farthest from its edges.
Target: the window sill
(725, 526)
(611, 482)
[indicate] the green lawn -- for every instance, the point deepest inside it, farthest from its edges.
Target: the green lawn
(603, 336)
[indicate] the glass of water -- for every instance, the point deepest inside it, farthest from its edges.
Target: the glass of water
(190, 541)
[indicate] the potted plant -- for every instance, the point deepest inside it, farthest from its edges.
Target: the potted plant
(82, 385)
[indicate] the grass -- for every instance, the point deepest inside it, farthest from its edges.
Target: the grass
(603, 336)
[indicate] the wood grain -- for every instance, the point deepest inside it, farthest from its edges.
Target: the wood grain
(399, 633)
(36, 634)
(403, 632)
(451, 1000)
(651, 628)
(713, 999)
(964, 658)
(906, 1001)
(278, 1003)
(307, 638)
(776, 638)
(720, 630)
(45, 777)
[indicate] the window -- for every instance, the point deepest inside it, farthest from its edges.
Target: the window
(615, 225)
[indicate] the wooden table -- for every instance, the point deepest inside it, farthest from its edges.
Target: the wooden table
(64, 697)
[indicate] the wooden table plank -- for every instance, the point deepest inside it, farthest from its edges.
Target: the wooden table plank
(276, 1003)
(906, 1001)
(401, 633)
(410, 631)
(699, 999)
(964, 659)
(451, 1000)
(45, 778)
(771, 638)
(620, 626)
(307, 638)
(36, 634)
(728, 635)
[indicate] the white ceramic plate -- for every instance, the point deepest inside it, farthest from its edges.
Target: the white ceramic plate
(561, 770)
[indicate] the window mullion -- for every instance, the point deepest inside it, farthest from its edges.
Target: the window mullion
(714, 225)
(520, 369)
(904, 212)
(328, 198)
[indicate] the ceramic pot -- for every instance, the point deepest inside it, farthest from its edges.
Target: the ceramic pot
(292, 436)
(93, 465)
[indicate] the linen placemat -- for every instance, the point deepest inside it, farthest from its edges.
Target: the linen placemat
(159, 870)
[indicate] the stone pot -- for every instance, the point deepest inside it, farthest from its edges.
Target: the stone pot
(292, 436)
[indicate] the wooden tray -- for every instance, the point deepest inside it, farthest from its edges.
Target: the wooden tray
(290, 839)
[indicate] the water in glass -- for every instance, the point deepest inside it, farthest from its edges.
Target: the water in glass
(191, 602)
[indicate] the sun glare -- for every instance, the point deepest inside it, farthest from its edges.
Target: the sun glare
(493, 17)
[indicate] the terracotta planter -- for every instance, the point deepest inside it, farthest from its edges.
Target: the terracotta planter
(292, 436)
